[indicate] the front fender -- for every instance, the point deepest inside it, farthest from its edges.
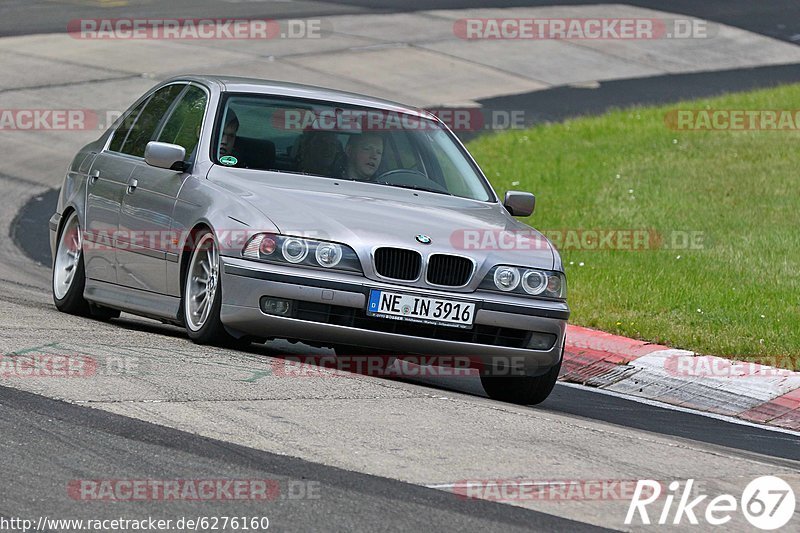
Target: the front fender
(201, 202)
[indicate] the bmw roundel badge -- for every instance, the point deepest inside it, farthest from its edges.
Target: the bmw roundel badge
(423, 239)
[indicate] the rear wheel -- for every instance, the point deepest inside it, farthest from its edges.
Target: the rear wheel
(69, 275)
(525, 390)
(202, 296)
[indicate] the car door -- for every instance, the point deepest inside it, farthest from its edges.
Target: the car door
(149, 201)
(108, 178)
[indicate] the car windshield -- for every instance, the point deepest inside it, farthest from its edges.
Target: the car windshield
(387, 148)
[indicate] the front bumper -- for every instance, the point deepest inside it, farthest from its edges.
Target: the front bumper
(345, 296)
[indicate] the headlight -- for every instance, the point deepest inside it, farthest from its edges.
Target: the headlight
(534, 282)
(274, 248)
(526, 282)
(506, 278)
(328, 254)
(294, 250)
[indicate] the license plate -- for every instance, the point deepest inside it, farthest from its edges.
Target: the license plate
(396, 306)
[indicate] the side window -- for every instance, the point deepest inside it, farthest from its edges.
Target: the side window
(448, 166)
(183, 126)
(148, 120)
(125, 127)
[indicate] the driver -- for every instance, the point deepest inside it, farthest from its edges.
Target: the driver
(364, 153)
(227, 142)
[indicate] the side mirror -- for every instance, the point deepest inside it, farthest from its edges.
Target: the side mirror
(164, 155)
(519, 204)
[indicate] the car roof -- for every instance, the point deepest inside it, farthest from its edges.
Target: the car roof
(236, 84)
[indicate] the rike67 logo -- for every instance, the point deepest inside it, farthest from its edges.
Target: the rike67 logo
(768, 503)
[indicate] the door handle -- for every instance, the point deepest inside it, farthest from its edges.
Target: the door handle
(132, 186)
(93, 177)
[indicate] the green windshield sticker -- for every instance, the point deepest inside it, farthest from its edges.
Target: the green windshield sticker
(228, 160)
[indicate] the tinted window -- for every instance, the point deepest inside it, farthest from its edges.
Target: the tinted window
(183, 126)
(148, 120)
(123, 129)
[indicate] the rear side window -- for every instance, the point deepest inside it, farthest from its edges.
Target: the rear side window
(183, 126)
(144, 127)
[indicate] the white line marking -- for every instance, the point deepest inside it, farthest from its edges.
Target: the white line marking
(670, 407)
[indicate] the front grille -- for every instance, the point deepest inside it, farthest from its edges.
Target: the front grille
(357, 318)
(396, 263)
(449, 270)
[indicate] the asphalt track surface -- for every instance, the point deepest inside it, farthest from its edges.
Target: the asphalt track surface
(68, 441)
(775, 18)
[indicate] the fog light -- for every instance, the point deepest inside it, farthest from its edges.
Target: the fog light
(541, 341)
(276, 306)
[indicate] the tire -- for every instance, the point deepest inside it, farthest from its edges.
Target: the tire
(524, 390)
(69, 275)
(202, 296)
(101, 313)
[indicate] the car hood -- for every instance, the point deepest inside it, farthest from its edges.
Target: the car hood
(365, 215)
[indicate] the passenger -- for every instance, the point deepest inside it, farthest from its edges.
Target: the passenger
(318, 153)
(364, 153)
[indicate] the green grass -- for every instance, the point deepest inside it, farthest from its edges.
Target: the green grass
(738, 296)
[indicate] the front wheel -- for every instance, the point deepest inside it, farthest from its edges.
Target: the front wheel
(202, 296)
(525, 390)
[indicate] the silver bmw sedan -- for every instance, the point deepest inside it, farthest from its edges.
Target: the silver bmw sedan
(247, 210)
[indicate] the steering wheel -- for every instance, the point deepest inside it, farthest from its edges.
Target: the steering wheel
(401, 171)
(411, 179)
